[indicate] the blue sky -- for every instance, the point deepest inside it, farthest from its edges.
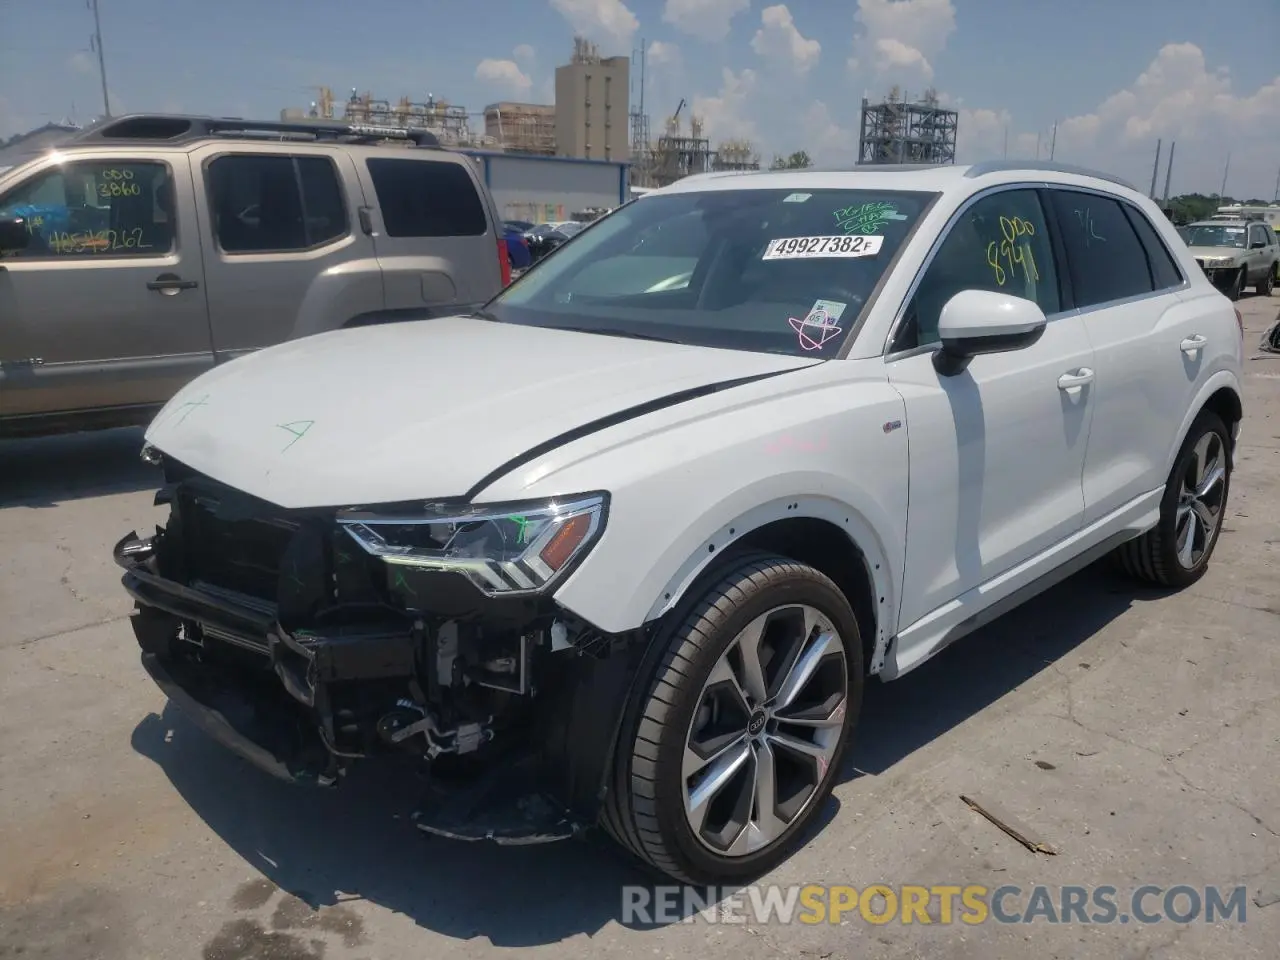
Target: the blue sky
(1115, 75)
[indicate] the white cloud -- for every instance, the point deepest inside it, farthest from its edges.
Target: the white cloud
(1178, 97)
(897, 39)
(707, 19)
(505, 74)
(725, 116)
(779, 40)
(81, 62)
(662, 54)
(599, 20)
(523, 53)
(827, 141)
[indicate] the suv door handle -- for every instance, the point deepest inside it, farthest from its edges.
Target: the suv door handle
(171, 283)
(1075, 380)
(1192, 344)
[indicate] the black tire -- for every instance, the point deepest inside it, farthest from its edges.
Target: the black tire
(1268, 282)
(644, 809)
(1153, 557)
(1236, 290)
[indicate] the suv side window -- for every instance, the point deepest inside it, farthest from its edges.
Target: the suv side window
(91, 209)
(1259, 235)
(273, 203)
(1105, 256)
(426, 198)
(1000, 243)
(1164, 269)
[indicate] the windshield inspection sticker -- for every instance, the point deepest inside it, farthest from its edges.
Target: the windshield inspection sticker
(803, 248)
(818, 326)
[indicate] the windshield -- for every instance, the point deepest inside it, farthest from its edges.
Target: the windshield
(1215, 235)
(774, 271)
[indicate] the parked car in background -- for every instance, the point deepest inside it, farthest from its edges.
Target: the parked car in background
(517, 245)
(1236, 254)
(737, 449)
(148, 249)
(543, 241)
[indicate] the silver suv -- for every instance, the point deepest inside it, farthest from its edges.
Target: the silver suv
(149, 249)
(1236, 254)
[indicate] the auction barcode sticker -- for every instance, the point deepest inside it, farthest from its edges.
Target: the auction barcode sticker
(799, 248)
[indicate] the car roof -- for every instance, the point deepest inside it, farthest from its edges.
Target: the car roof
(1223, 222)
(932, 178)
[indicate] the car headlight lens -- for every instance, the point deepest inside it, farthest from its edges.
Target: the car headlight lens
(503, 549)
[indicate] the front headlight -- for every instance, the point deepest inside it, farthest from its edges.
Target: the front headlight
(503, 549)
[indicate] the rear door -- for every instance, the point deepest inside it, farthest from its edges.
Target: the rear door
(106, 306)
(437, 240)
(1261, 252)
(1150, 345)
(286, 256)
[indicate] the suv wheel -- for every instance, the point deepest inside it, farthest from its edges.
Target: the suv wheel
(1236, 290)
(1269, 281)
(742, 725)
(1176, 552)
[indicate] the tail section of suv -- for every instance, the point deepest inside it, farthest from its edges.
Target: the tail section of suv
(150, 249)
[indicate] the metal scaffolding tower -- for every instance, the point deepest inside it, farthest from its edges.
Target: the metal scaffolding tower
(901, 130)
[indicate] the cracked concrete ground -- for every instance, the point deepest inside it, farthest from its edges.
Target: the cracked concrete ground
(1136, 733)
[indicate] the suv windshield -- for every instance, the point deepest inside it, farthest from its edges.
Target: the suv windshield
(1215, 235)
(775, 271)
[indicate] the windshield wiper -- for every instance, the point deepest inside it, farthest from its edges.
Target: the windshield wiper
(615, 332)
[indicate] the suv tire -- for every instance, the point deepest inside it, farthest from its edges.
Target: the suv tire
(1194, 503)
(1268, 282)
(1238, 282)
(789, 613)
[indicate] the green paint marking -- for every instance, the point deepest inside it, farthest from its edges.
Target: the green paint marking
(190, 406)
(523, 523)
(403, 584)
(299, 430)
(344, 557)
(869, 218)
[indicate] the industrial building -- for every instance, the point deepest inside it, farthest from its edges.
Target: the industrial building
(592, 119)
(902, 130)
(593, 105)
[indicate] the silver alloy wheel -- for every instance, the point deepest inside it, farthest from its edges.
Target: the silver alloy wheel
(767, 723)
(1200, 500)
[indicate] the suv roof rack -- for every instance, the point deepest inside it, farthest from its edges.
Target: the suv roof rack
(1007, 166)
(178, 128)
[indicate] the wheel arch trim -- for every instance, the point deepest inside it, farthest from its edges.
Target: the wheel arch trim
(1224, 381)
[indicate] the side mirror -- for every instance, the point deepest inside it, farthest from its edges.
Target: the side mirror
(1257, 245)
(974, 322)
(13, 234)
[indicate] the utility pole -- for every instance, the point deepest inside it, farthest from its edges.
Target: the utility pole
(1168, 173)
(1155, 169)
(1222, 194)
(1039, 136)
(102, 63)
(1277, 196)
(1053, 143)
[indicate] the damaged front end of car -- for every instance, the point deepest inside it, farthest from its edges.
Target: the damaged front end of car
(306, 640)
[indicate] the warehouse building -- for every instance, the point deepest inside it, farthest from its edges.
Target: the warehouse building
(542, 189)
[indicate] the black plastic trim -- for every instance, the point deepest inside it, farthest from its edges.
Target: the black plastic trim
(612, 420)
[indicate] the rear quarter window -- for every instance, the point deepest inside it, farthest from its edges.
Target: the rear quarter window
(1164, 270)
(427, 198)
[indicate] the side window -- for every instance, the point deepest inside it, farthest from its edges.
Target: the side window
(1259, 235)
(1163, 267)
(1000, 243)
(427, 198)
(271, 203)
(96, 209)
(1106, 259)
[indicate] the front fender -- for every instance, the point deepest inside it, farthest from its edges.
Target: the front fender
(687, 482)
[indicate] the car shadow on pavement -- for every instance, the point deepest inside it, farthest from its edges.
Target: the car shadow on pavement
(44, 471)
(358, 841)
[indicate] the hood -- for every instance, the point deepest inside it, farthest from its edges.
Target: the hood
(1212, 253)
(420, 410)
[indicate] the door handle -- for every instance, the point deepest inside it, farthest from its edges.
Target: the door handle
(1076, 380)
(171, 283)
(1192, 344)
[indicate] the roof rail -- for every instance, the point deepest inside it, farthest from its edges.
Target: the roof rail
(1002, 166)
(178, 128)
(894, 167)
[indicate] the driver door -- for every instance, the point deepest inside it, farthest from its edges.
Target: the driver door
(996, 451)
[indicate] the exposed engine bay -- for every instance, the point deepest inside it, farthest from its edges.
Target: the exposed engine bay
(289, 637)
